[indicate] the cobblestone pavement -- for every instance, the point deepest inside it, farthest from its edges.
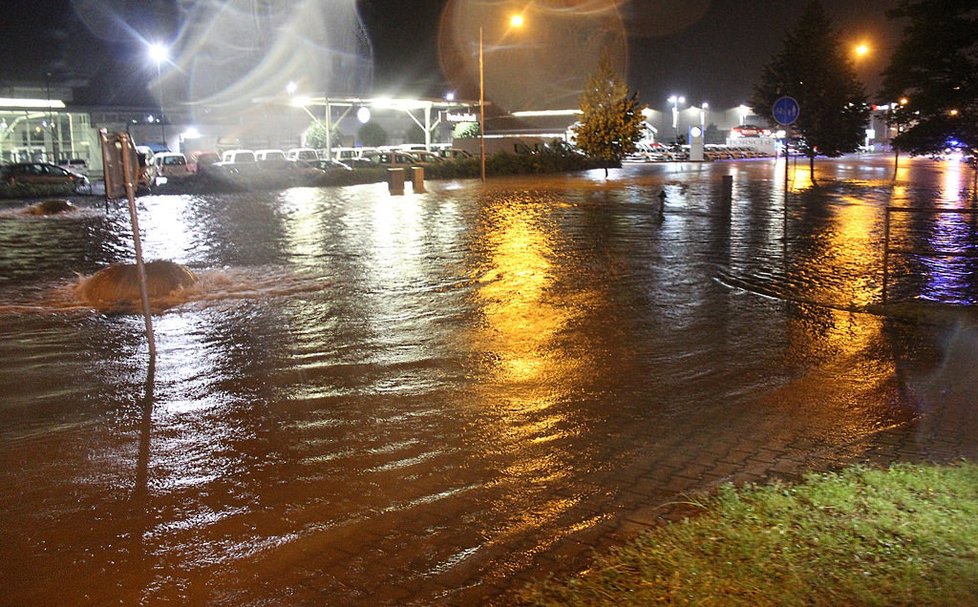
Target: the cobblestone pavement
(945, 430)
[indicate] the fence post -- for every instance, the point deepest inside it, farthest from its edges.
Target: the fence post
(886, 249)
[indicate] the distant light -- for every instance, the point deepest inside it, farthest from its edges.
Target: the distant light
(862, 49)
(363, 114)
(532, 113)
(291, 87)
(706, 105)
(450, 96)
(47, 104)
(150, 118)
(301, 101)
(159, 52)
(191, 133)
(516, 20)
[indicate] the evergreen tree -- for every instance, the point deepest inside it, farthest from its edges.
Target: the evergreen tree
(372, 135)
(611, 120)
(316, 135)
(934, 70)
(812, 67)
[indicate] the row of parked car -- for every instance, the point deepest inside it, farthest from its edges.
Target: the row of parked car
(154, 167)
(657, 152)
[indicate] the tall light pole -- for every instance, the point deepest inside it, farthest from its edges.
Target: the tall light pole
(703, 109)
(291, 88)
(160, 53)
(514, 21)
(482, 110)
(675, 101)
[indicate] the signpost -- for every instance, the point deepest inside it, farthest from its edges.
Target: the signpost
(785, 111)
(121, 168)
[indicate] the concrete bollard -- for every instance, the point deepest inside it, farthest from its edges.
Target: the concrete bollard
(417, 179)
(395, 181)
(727, 187)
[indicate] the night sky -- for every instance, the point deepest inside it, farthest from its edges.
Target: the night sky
(707, 50)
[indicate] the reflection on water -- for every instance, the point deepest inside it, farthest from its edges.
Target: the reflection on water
(382, 400)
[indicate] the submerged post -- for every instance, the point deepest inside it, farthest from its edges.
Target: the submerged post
(395, 181)
(417, 180)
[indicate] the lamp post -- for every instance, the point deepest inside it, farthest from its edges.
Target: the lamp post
(514, 21)
(482, 110)
(290, 89)
(743, 111)
(160, 53)
(675, 101)
(703, 109)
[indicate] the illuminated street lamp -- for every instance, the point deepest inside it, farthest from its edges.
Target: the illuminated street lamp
(675, 101)
(514, 21)
(703, 109)
(160, 53)
(743, 111)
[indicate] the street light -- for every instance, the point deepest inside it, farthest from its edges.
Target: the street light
(160, 53)
(675, 101)
(743, 111)
(703, 109)
(514, 21)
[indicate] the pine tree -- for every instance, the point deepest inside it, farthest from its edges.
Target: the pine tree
(812, 67)
(611, 120)
(934, 70)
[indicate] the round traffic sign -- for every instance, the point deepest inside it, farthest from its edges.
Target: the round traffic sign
(786, 110)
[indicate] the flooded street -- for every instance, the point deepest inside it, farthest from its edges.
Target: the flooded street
(377, 400)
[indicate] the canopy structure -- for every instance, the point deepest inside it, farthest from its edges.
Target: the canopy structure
(419, 110)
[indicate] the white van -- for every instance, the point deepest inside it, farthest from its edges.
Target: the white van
(272, 160)
(172, 165)
(303, 154)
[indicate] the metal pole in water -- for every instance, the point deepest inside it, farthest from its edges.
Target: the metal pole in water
(140, 267)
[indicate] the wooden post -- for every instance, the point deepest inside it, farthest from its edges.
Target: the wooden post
(129, 171)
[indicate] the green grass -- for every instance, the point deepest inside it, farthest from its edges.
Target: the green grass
(903, 536)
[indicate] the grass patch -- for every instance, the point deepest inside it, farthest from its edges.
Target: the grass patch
(903, 536)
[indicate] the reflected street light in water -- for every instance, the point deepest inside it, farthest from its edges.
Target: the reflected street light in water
(514, 22)
(160, 53)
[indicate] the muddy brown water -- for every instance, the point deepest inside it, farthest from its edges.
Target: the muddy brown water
(410, 400)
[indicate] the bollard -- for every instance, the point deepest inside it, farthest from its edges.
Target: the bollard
(395, 181)
(728, 187)
(417, 179)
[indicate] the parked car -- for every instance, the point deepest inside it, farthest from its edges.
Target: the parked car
(172, 165)
(454, 154)
(146, 179)
(76, 165)
(41, 173)
(272, 160)
(330, 166)
(302, 154)
(389, 159)
(424, 157)
(236, 161)
(204, 162)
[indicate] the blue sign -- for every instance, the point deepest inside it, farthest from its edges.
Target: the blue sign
(786, 110)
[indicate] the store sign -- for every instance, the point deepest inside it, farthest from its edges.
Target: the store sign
(469, 117)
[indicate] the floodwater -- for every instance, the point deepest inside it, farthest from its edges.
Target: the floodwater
(374, 400)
